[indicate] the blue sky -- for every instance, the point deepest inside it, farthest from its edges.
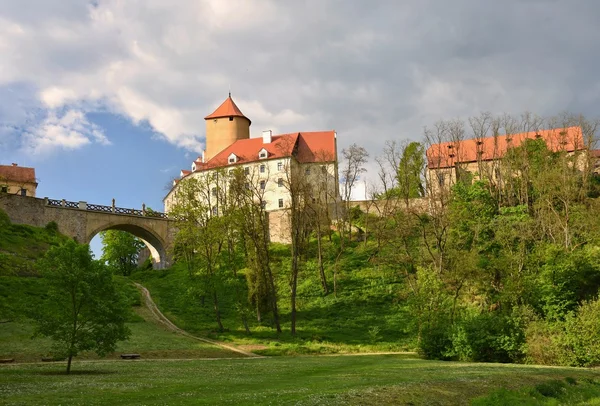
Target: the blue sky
(106, 98)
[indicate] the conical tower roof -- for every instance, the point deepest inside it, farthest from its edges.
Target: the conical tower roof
(227, 109)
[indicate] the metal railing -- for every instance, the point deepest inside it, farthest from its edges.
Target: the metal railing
(105, 209)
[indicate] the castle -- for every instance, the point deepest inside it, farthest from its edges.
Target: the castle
(266, 160)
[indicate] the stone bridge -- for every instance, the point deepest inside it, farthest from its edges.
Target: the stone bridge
(83, 221)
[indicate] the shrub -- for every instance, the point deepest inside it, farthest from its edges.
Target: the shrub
(541, 343)
(4, 220)
(581, 339)
(489, 337)
(52, 227)
(574, 341)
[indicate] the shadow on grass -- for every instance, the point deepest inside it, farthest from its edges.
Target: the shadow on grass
(75, 372)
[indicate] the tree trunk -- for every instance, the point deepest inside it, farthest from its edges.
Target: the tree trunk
(217, 311)
(320, 259)
(245, 321)
(69, 364)
(294, 286)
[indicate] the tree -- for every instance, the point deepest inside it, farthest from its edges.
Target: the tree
(410, 169)
(83, 310)
(201, 240)
(121, 250)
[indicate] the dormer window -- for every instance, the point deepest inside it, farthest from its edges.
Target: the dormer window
(232, 158)
(262, 154)
(193, 167)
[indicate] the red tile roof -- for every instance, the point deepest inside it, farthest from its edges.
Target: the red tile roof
(227, 109)
(19, 174)
(447, 154)
(307, 147)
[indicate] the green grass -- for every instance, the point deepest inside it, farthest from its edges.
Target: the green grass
(148, 338)
(554, 392)
(364, 380)
(21, 245)
(365, 316)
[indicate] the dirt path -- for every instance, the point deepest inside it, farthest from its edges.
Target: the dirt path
(162, 319)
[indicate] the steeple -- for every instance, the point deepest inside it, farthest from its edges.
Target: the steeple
(227, 109)
(224, 126)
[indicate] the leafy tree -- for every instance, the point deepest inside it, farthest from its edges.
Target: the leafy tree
(410, 170)
(83, 309)
(121, 250)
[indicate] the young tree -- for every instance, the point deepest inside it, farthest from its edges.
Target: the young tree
(410, 170)
(120, 251)
(83, 309)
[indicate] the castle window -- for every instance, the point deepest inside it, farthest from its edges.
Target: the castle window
(307, 170)
(263, 184)
(247, 185)
(280, 182)
(215, 210)
(23, 192)
(280, 203)
(213, 191)
(230, 118)
(323, 169)
(262, 169)
(246, 171)
(279, 166)
(4, 189)
(263, 204)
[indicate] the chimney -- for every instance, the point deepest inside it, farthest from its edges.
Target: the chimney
(267, 136)
(14, 164)
(203, 152)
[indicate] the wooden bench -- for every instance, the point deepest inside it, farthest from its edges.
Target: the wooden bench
(130, 356)
(7, 360)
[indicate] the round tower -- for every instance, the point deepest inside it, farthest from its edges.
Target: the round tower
(224, 126)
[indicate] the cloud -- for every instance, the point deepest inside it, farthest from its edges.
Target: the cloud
(68, 131)
(372, 72)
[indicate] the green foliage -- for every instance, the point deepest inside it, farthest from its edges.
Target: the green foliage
(83, 309)
(52, 227)
(21, 245)
(120, 251)
(4, 220)
(409, 171)
(581, 339)
(431, 307)
(489, 337)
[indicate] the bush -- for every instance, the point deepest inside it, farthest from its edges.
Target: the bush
(52, 227)
(541, 343)
(574, 341)
(4, 220)
(581, 340)
(489, 337)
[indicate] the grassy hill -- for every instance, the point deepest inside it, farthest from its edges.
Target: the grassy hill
(21, 290)
(366, 315)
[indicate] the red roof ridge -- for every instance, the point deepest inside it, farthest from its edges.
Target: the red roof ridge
(227, 109)
(446, 154)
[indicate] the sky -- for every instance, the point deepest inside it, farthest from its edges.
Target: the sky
(107, 98)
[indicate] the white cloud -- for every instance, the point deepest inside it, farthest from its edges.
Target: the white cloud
(69, 131)
(371, 73)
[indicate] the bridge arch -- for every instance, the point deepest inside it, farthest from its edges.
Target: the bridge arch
(152, 240)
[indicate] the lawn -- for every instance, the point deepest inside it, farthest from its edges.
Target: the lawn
(307, 380)
(148, 338)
